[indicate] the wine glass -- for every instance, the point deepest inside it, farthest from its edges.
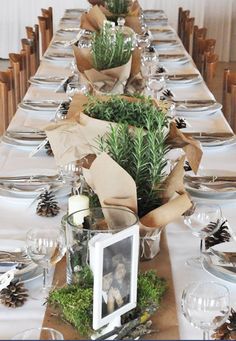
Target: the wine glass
(45, 247)
(206, 305)
(203, 219)
(155, 84)
(149, 60)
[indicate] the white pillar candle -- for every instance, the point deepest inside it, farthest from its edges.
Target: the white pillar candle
(76, 203)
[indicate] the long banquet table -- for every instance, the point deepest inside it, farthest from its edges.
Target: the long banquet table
(17, 215)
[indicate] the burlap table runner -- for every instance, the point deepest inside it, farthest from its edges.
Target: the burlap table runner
(164, 321)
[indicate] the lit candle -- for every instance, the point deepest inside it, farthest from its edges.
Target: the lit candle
(76, 203)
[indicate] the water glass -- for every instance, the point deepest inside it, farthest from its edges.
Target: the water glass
(39, 334)
(149, 62)
(45, 247)
(206, 305)
(203, 219)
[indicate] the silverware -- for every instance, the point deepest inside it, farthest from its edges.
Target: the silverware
(31, 178)
(226, 257)
(180, 77)
(42, 104)
(171, 56)
(163, 41)
(194, 102)
(210, 179)
(25, 135)
(204, 136)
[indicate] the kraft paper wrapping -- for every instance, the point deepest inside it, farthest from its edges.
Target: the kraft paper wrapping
(110, 80)
(92, 20)
(122, 192)
(192, 147)
(165, 321)
(71, 141)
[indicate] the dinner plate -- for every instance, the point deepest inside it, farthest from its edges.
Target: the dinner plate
(14, 245)
(226, 193)
(22, 144)
(198, 110)
(218, 271)
(50, 81)
(68, 31)
(184, 81)
(59, 56)
(44, 105)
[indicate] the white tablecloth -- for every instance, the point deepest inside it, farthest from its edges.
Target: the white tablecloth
(18, 215)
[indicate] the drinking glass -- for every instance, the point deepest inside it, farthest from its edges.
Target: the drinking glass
(45, 247)
(149, 61)
(206, 305)
(39, 334)
(155, 85)
(203, 219)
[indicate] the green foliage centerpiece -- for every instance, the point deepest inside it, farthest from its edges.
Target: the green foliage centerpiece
(110, 49)
(118, 7)
(141, 151)
(107, 65)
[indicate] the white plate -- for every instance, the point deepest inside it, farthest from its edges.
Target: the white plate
(194, 112)
(218, 271)
(219, 143)
(208, 193)
(47, 81)
(185, 82)
(13, 245)
(26, 144)
(27, 106)
(59, 56)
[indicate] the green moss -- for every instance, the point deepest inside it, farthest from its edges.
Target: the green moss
(75, 302)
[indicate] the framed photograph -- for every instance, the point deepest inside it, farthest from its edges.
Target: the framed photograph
(115, 276)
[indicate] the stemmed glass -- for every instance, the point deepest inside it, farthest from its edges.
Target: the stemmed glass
(206, 305)
(45, 247)
(203, 219)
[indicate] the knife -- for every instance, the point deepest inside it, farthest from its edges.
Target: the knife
(182, 76)
(210, 179)
(159, 41)
(31, 178)
(195, 102)
(171, 56)
(211, 136)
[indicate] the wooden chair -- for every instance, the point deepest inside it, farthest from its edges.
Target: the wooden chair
(18, 64)
(210, 66)
(46, 28)
(180, 13)
(204, 45)
(28, 46)
(184, 15)
(33, 35)
(197, 33)
(188, 24)
(7, 98)
(229, 97)
(48, 13)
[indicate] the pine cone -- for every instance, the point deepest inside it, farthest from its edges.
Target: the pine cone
(228, 330)
(48, 149)
(180, 123)
(14, 295)
(220, 236)
(47, 206)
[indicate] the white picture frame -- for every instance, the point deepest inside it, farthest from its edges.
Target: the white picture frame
(115, 267)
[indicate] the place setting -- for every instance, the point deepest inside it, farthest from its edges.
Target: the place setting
(211, 184)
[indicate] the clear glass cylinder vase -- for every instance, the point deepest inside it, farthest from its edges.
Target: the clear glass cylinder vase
(83, 225)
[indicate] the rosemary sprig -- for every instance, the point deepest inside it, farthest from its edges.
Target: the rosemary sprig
(142, 154)
(142, 114)
(118, 6)
(110, 49)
